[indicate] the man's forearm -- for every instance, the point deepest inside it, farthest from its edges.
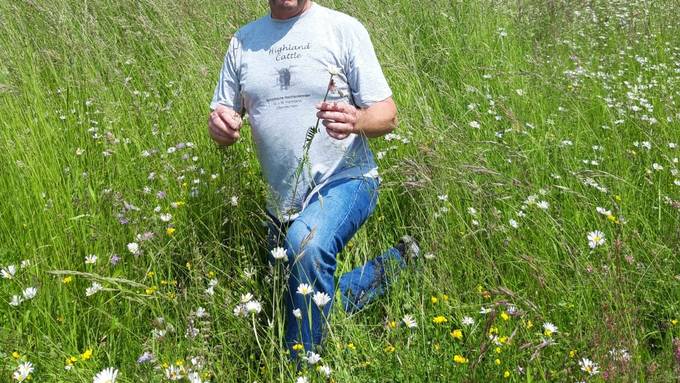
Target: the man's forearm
(377, 120)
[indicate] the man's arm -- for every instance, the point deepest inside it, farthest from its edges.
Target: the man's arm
(342, 119)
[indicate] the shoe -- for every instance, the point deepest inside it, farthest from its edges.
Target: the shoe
(409, 249)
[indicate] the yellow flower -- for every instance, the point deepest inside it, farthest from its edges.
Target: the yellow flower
(674, 322)
(392, 324)
(16, 355)
(457, 334)
(150, 274)
(179, 363)
(151, 290)
(298, 347)
(211, 274)
(505, 315)
(170, 231)
(439, 319)
(87, 354)
(351, 346)
(529, 324)
(493, 330)
(67, 279)
(617, 198)
(503, 339)
(171, 295)
(389, 348)
(434, 300)
(611, 218)
(445, 297)
(572, 353)
(460, 359)
(498, 350)
(497, 361)
(506, 374)
(188, 265)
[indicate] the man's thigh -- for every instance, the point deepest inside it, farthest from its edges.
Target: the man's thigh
(335, 214)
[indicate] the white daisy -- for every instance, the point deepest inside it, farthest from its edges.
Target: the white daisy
(321, 299)
(279, 253)
(8, 272)
(93, 289)
(30, 292)
(21, 374)
(467, 321)
(589, 366)
(595, 239)
(247, 297)
(107, 375)
(90, 259)
(312, 357)
(409, 321)
(15, 301)
(304, 289)
(549, 329)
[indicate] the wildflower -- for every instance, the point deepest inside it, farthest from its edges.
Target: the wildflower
(23, 372)
(173, 373)
(87, 354)
(16, 355)
(543, 205)
(298, 347)
(8, 272)
(133, 247)
(497, 362)
(297, 313)
(240, 310)
(279, 253)
(589, 366)
(166, 217)
(90, 259)
(253, 307)
(457, 334)
(93, 289)
(572, 353)
(107, 375)
(304, 289)
(194, 377)
(145, 357)
(201, 313)
(30, 292)
(302, 379)
(312, 357)
(506, 374)
(460, 359)
(513, 223)
(15, 301)
(321, 299)
(434, 300)
(390, 349)
(234, 201)
(325, 370)
(505, 316)
(439, 319)
(247, 297)
(596, 238)
(549, 329)
(170, 231)
(67, 280)
(409, 321)
(475, 125)
(467, 321)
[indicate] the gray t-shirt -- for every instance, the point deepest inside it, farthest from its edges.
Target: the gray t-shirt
(277, 71)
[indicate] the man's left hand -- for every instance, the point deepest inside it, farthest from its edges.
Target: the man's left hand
(340, 119)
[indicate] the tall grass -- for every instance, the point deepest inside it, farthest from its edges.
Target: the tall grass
(502, 105)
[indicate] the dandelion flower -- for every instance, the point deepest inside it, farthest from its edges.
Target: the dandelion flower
(107, 375)
(279, 253)
(304, 289)
(409, 321)
(439, 319)
(457, 334)
(321, 299)
(595, 239)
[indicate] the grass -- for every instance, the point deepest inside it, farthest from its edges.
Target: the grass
(575, 101)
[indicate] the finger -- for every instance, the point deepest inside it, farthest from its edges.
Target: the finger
(330, 106)
(335, 116)
(233, 120)
(220, 129)
(336, 135)
(338, 127)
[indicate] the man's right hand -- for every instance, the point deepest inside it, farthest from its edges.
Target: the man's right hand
(224, 125)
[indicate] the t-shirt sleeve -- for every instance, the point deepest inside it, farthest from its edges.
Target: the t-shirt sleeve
(228, 89)
(364, 74)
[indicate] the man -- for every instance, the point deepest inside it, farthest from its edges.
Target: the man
(277, 69)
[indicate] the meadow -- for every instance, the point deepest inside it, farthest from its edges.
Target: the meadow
(536, 160)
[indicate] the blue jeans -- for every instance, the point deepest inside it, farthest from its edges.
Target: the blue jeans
(313, 240)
